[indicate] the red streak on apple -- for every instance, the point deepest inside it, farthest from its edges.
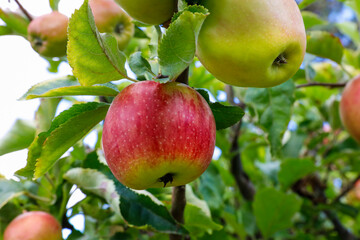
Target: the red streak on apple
(350, 108)
(154, 129)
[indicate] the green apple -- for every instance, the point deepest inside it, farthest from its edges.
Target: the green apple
(48, 34)
(158, 135)
(153, 12)
(252, 43)
(350, 108)
(35, 225)
(110, 18)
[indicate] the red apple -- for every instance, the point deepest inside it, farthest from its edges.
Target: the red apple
(158, 135)
(34, 225)
(350, 108)
(48, 34)
(110, 18)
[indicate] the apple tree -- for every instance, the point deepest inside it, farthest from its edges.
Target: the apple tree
(223, 120)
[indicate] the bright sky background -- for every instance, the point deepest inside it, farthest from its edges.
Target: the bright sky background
(20, 68)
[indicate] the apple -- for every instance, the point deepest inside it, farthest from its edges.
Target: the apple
(252, 43)
(158, 135)
(110, 18)
(154, 12)
(48, 34)
(350, 108)
(35, 225)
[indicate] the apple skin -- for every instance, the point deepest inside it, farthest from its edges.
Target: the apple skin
(154, 130)
(240, 41)
(350, 108)
(110, 18)
(48, 34)
(35, 225)
(153, 12)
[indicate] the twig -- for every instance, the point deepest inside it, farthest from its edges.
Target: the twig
(27, 14)
(243, 182)
(329, 85)
(318, 197)
(346, 189)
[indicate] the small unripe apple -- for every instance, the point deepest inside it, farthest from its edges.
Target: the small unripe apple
(35, 225)
(350, 108)
(153, 12)
(48, 34)
(110, 18)
(158, 135)
(252, 43)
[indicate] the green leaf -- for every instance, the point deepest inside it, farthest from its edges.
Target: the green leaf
(350, 29)
(14, 21)
(177, 48)
(94, 58)
(9, 189)
(306, 3)
(311, 19)
(274, 210)
(292, 170)
(68, 86)
(20, 136)
(140, 210)
(139, 65)
(225, 116)
(319, 43)
(197, 222)
(45, 113)
(273, 107)
(5, 30)
(66, 129)
(93, 181)
(54, 4)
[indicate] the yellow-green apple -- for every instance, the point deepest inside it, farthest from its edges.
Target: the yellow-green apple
(154, 12)
(158, 135)
(48, 34)
(35, 225)
(252, 43)
(110, 18)
(350, 108)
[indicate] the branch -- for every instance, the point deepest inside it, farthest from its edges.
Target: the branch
(346, 189)
(318, 197)
(27, 14)
(243, 182)
(329, 85)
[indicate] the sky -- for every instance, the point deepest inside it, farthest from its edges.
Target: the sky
(21, 67)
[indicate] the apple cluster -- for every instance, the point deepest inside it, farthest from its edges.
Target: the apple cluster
(47, 34)
(159, 135)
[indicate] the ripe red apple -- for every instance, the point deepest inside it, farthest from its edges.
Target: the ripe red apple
(158, 135)
(350, 108)
(34, 225)
(110, 18)
(252, 43)
(48, 34)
